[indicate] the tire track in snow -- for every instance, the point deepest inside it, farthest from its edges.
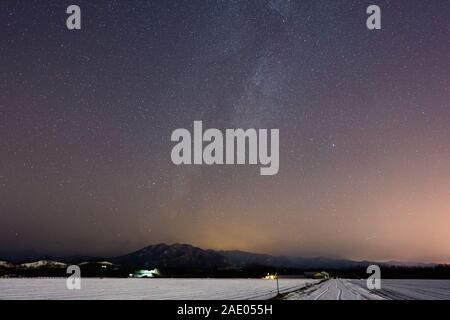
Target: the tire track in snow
(339, 296)
(351, 290)
(321, 294)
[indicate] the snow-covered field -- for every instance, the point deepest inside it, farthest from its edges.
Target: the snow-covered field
(345, 289)
(334, 289)
(227, 289)
(190, 289)
(412, 289)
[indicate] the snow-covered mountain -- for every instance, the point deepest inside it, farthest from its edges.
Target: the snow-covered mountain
(43, 264)
(6, 264)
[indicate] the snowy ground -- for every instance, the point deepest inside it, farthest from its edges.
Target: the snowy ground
(190, 289)
(334, 289)
(344, 289)
(412, 289)
(227, 289)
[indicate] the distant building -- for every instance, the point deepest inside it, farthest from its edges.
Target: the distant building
(317, 275)
(270, 276)
(145, 273)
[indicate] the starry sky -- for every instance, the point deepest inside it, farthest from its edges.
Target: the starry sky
(364, 116)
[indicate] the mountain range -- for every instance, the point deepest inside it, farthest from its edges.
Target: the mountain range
(189, 257)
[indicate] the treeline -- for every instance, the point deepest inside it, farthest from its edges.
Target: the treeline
(114, 271)
(387, 272)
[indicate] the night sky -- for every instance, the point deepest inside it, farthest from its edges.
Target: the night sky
(364, 116)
